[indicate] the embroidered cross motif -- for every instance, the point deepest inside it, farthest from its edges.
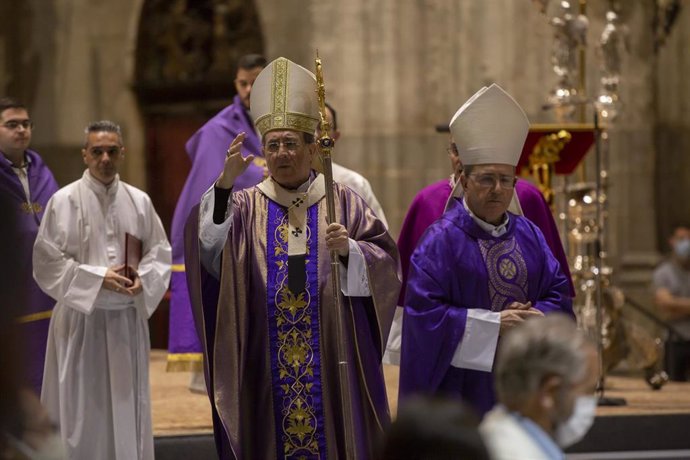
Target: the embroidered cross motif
(297, 232)
(297, 201)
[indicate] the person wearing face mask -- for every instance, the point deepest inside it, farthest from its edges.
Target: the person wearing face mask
(672, 298)
(546, 375)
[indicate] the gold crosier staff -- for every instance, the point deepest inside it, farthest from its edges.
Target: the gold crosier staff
(326, 143)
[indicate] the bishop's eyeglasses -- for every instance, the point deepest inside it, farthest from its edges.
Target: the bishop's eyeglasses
(490, 180)
(289, 144)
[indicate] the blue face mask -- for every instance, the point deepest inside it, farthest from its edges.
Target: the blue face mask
(682, 248)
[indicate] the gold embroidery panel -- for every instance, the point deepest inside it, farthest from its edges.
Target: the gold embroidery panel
(295, 357)
(507, 272)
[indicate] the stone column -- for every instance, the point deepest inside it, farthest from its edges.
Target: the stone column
(86, 55)
(673, 129)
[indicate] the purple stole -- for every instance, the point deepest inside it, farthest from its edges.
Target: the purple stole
(294, 342)
(34, 314)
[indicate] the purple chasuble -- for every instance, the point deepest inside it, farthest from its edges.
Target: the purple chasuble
(270, 356)
(206, 150)
(428, 205)
(35, 314)
(457, 266)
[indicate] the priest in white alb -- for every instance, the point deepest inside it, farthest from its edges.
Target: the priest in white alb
(96, 382)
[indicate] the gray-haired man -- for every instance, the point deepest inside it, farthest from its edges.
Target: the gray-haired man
(545, 376)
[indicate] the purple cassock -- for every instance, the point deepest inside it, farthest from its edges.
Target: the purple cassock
(35, 313)
(457, 266)
(206, 150)
(428, 205)
(271, 358)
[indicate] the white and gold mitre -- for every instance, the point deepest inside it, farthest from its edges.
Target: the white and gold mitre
(284, 97)
(490, 128)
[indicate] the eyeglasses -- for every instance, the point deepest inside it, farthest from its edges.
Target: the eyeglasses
(15, 124)
(113, 151)
(489, 180)
(289, 144)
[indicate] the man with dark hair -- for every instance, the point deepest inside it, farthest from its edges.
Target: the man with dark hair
(430, 204)
(205, 149)
(96, 383)
(434, 428)
(672, 298)
(271, 335)
(351, 178)
(28, 184)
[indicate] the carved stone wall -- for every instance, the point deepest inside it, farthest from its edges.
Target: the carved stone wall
(81, 62)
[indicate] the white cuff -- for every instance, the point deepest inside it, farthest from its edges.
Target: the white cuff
(84, 288)
(212, 236)
(392, 354)
(353, 279)
(478, 346)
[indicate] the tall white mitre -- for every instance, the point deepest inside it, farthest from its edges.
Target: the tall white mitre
(284, 97)
(490, 128)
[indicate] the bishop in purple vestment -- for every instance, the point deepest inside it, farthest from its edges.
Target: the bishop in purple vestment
(206, 150)
(479, 270)
(428, 205)
(273, 347)
(28, 184)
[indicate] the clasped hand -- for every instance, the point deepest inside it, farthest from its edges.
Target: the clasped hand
(516, 313)
(115, 280)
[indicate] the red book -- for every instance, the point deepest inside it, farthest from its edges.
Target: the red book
(133, 254)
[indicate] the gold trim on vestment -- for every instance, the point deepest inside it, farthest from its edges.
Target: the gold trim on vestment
(184, 362)
(41, 315)
(280, 117)
(297, 204)
(295, 356)
(507, 271)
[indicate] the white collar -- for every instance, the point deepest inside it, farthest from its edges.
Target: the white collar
(297, 202)
(494, 230)
(99, 187)
(25, 164)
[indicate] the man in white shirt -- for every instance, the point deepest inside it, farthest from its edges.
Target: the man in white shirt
(351, 178)
(546, 375)
(96, 383)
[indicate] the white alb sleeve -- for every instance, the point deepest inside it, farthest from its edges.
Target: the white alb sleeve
(353, 278)
(477, 349)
